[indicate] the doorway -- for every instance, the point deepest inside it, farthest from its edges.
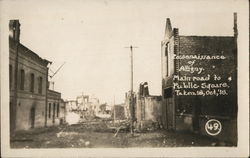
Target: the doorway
(170, 108)
(53, 114)
(32, 116)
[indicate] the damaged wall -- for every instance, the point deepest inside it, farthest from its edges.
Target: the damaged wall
(118, 112)
(148, 109)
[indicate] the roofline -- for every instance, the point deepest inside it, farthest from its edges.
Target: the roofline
(32, 52)
(53, 91)
(204, 36)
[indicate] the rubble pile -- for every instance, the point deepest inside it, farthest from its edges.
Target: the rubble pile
(149, 125)
(88, 127)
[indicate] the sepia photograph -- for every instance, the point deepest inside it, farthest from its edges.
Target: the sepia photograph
(124, 78)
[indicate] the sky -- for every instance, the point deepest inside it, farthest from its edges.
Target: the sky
(91, 36)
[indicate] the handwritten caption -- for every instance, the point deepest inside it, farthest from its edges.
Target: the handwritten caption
(195, 81)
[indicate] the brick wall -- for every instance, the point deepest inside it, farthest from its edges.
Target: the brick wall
(29, 112)
(194, 103)
(212, 105)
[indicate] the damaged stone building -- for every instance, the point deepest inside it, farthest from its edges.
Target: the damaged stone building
(199, 83)
(28, 84)
(90, 106)
(146, 109)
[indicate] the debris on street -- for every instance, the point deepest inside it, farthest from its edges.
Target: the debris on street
(104, 134)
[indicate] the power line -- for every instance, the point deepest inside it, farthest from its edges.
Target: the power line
(57, 70)
(100, 54)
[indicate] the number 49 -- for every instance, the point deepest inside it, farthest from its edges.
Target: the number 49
(213, 126)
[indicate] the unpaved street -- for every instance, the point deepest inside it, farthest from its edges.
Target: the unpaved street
(100, 134)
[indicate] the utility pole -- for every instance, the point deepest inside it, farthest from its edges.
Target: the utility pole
(131, 90)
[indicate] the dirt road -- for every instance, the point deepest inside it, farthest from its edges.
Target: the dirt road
(100, 135)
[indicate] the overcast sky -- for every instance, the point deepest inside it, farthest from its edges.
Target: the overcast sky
(90, 37)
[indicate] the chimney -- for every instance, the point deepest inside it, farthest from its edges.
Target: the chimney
(235, 26)
(168, 29)
(14, 28)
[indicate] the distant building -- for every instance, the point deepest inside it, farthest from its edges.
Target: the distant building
(71, 105)
(88, 104)
(28, 74)
(95, 105)
(82, 102)
(118, 112)
(56, 109)
(103, 111)
(199, 83)
(85, 106)
(102, 108)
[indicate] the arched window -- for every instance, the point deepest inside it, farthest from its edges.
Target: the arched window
(22, 79)
(53, 114)
(166, 49)
(49, 110)
(32, 82)
(54, 108)
(58, 110)
(40, 85)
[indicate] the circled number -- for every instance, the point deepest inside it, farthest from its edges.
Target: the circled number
(213, 127)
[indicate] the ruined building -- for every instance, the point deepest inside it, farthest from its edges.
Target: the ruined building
(118, 112)
(88, 105)
(28, 84)
(199, 83)
(146, 108)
